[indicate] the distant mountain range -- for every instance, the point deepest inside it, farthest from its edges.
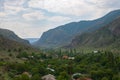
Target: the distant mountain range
(107, 36)
(32, 40)
(64, 35)
(102, 32)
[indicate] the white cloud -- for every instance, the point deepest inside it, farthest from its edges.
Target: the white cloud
(59, 19)
(41, 15)
(25, 30)
(72, 7)
(14, 2)
(13, 9)
(21, 29)
(3, 14)
(113, 4)
(36, 15)
(76, 7)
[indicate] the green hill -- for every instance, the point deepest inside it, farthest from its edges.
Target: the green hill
(12, 36)
(11, 45)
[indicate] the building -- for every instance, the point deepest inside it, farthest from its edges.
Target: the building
(48, 77)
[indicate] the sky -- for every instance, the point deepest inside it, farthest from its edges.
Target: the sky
(30, 18)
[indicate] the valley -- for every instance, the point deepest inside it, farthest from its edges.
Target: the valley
(84, 50)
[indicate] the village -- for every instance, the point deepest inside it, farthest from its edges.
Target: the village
(65, 59)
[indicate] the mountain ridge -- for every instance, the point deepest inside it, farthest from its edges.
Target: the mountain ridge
(31, 40)
(107, 36)
(12, 36)
(64, 34)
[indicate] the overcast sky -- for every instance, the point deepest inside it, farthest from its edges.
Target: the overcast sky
(30, 18)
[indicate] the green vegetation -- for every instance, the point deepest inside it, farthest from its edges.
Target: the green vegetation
(102, 65)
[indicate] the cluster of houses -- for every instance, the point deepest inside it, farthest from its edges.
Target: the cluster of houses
(48, 77)
(52, 77)
(68, 57)
(77, 76)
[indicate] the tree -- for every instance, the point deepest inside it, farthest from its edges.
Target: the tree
(34, 70)
(22, 77)
(104, 78)
(36, 77)
(116, 77)
(25, 77)
(63, 76)
(23, 54)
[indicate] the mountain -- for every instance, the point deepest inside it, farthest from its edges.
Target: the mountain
(107, 36)
(32, 40)
(9, 40)
(8, 44)
(11, 46)
(64, 34)
(12, 36)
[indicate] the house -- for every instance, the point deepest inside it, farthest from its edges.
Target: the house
(25, 59)
(41, 60)
(48, 77)
(79, 76)
(65, 57)
(26, 73)
(76, 74)
(87, 78)
(84, 79)
(71, 58)
(51, 69)
(95, 51)
(31, 57)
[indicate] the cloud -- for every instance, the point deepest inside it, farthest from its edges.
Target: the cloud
(13, 10)
(76, 7)
(1, 5)
(21, 29)
(59, 19)
(71, 7)
(110, 4)
(25, 30)
(39, 15)
(68, 7)
(14, 2)
(36, 15)
(114, 4)
(30, 18)
(12, 7)
(2, 14)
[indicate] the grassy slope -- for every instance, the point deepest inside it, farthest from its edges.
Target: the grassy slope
(105, 37)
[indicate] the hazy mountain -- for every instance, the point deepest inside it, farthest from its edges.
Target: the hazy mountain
(64, 34)
(12, 36)
(107, 36)
(32, 40)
